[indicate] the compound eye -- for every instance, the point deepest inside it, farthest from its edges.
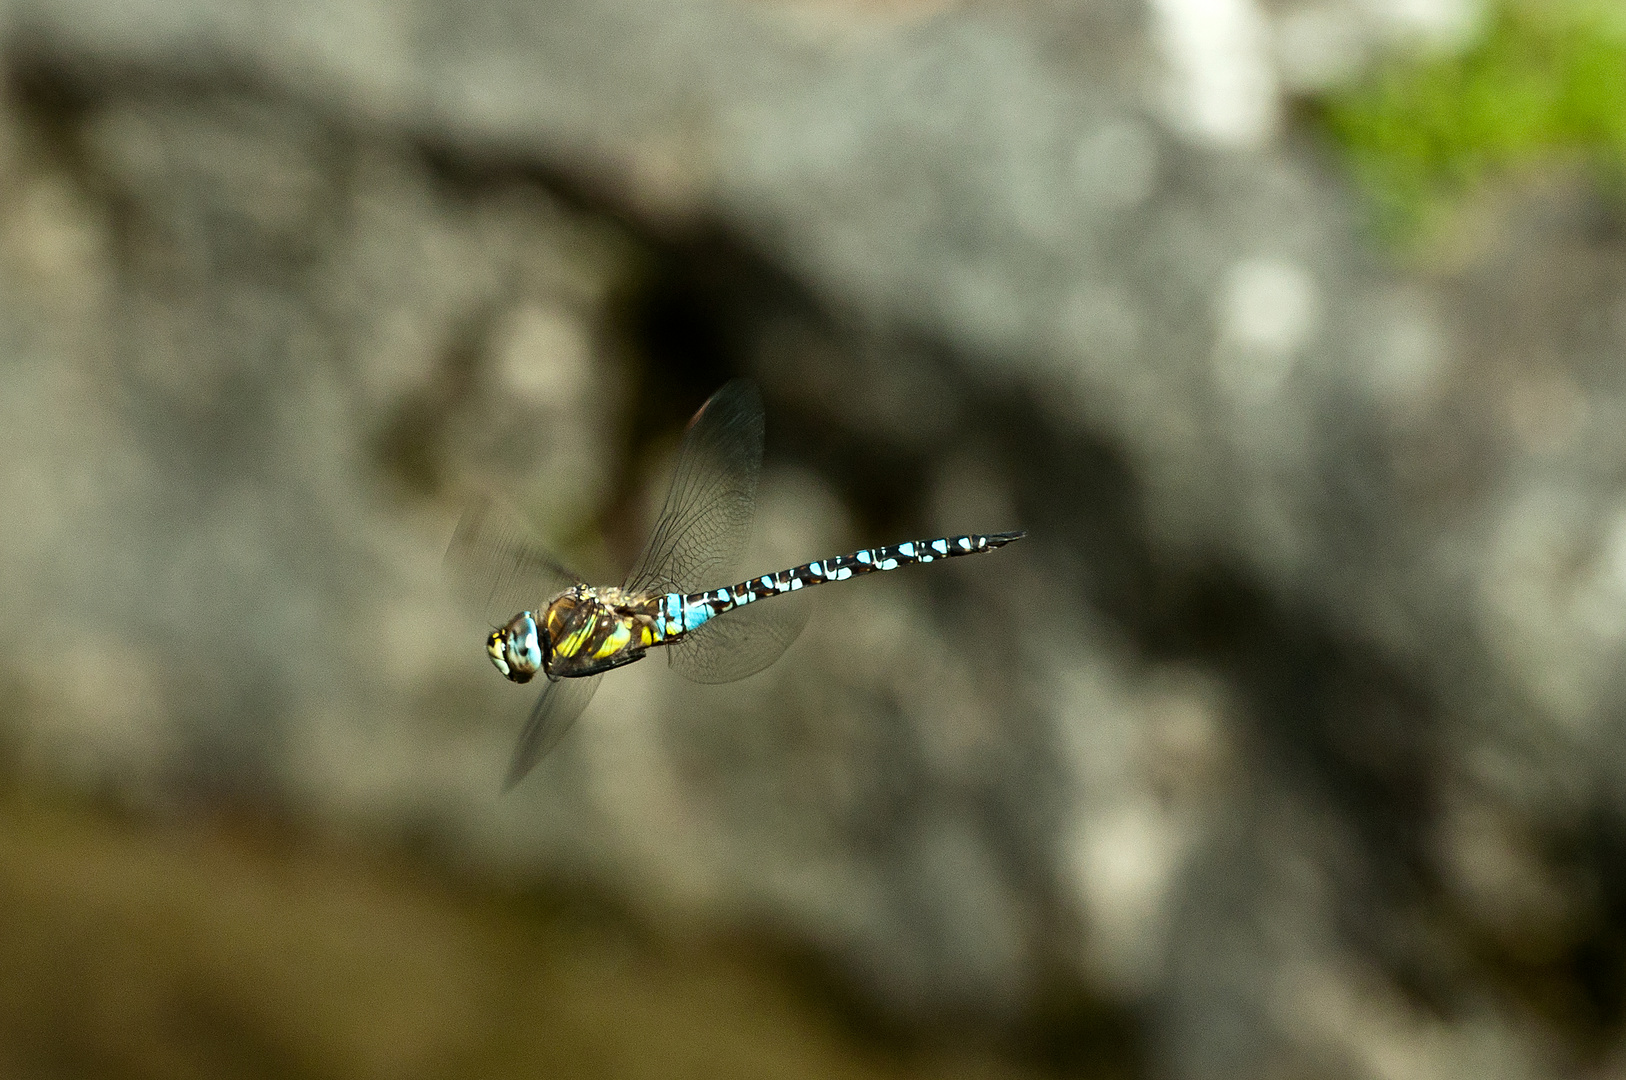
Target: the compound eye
(524, 650)
(515, 649)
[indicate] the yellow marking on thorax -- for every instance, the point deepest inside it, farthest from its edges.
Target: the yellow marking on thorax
(553, 620)
(616, 641)
(573, 641)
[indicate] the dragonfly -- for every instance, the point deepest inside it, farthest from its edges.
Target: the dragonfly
(710, 635)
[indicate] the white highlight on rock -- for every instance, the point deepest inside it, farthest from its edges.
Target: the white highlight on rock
(1435, 23)
(543, 357)
(1125, 859)
(1268, 309)
(1270, 304)
(1222, 82)
(1320, 46)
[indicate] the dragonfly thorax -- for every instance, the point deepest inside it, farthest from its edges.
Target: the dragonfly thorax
(588, 630)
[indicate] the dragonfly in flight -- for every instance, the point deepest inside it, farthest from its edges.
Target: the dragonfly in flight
(710, 635)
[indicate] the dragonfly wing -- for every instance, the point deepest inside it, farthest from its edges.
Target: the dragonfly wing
(506, 568)
(740, 642)
(555, 710)
(703, 526)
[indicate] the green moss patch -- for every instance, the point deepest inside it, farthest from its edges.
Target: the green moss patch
(1539, 83)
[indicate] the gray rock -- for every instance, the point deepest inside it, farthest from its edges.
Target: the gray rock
(1282, 713)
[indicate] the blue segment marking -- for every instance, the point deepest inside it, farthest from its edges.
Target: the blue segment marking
(695, 616)
(681, 615)
(671, 620)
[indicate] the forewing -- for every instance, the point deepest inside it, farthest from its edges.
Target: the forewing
(706, 519)
(504, 567)
(741, 642)
(555, 710)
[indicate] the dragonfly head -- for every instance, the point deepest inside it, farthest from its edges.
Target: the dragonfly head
(516, 649)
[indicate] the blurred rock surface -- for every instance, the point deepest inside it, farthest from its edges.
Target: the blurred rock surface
(1294, 728)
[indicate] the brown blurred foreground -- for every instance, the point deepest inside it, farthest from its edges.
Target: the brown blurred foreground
(239, 950)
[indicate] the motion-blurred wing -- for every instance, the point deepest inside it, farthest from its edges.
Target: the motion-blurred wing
(703, 526)
(504, 566)
(558, 707)
(741, 642)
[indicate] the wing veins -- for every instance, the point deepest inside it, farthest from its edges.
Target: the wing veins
(707, 511)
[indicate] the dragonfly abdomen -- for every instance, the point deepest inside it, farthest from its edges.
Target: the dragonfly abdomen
(681, 614)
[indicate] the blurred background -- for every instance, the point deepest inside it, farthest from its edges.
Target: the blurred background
(1290, 743)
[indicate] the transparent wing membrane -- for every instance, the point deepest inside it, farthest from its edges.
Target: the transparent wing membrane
(740, 627)
(706, 519)
(741, 642)
(507, 570)
(555, 710)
